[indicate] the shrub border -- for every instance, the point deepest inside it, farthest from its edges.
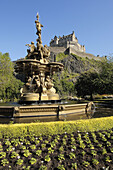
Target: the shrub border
(51, 128)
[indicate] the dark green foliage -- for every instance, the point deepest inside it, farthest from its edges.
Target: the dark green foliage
(106, 75)
(63, 84)
(92, 82)
(9, 85)
(88, 84)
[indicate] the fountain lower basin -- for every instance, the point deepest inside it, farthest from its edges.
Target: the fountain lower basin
(44, 112)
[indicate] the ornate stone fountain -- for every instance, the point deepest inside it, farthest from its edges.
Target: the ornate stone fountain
(39, 88)
(38, 72)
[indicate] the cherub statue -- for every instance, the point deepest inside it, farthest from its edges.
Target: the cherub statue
(40, 49)
(42, 82)
(46, 54)
(32, 49)
(48, 82)
(36, 82)
(27, 86)
(49, 85)
(46, 51)
(28, 83)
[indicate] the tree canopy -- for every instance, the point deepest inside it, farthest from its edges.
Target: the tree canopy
(106, 74)
(92, 82)
(63, 85)
(9, 85)
(87, 84)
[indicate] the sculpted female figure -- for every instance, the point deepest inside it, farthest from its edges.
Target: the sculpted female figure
(38, 25)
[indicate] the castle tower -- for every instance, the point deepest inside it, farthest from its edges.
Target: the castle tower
(68, 41)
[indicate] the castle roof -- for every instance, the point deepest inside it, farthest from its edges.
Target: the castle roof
(66, 36)
(63, 37)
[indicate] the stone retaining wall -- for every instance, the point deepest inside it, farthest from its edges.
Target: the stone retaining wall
(56, 50)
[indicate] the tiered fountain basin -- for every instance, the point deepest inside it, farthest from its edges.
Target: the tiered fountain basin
(28, 67)
(36, 66)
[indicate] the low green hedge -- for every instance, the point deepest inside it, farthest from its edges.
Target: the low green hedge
(50, 128)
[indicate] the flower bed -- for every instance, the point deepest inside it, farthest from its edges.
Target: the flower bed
(78, 150)
(81, 144)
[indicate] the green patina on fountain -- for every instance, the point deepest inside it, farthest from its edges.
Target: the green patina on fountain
(38, 72)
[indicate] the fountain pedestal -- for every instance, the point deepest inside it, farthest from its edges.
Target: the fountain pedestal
(34, 97)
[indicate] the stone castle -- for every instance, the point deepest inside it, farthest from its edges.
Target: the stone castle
(69, 41)
(69, 45)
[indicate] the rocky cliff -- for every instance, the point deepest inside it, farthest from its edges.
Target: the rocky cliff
(75, 65)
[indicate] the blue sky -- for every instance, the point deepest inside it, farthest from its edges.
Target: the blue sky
(92, 21)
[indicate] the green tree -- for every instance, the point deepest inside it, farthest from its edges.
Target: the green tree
(68, 87)
(9, 85)
(13, 88)
(106, 75)
(6, 70)
(63, 85)
(88, 84)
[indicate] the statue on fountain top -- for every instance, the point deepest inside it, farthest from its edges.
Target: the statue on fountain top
(38, 25)
(40, 52)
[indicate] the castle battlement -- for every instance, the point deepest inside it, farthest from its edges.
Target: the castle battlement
(68, 41)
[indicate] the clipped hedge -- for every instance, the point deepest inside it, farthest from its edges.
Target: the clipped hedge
(50, 128)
